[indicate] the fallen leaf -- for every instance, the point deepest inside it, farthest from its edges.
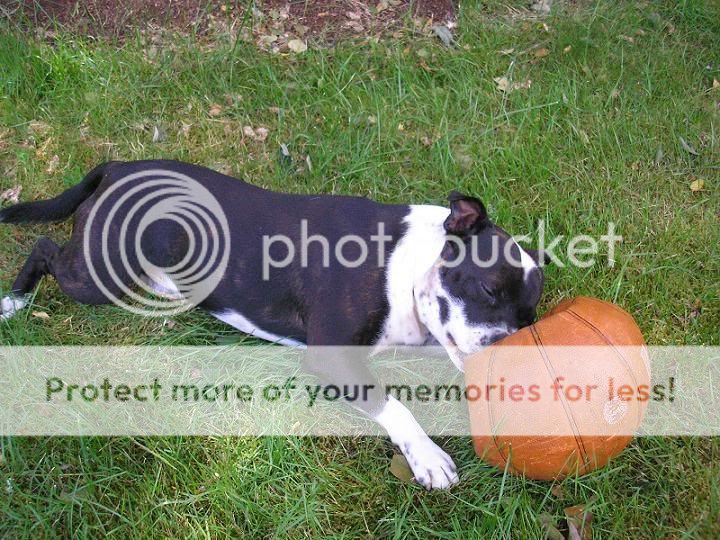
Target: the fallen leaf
(541, 6)
(444, 33)
(567, 49)
(401, 127)
(503, 84)
(426, 141)
(297, 46)
(371, 120)
(696, 309)
(353, 15)
(11, 195)
(215, 110)
(185, 128)
(716, 84)
(551, 531)
(308, 161)
(542, 53)
(284, 156)
(381, 6)
(507, 52)
(579, 520)
(659, 155)
(557, 491)
(248, 132)
(688, 147)
(626, 38)
(40, 315)
(400, 468)
(53, 164)
(261, 134)
(697, 185)
(615, 93)
(158, 134)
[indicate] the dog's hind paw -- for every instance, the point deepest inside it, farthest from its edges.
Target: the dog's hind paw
(432, 467)
(11, 305)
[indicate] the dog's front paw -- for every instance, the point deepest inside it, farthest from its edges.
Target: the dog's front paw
(431, 466)
(11, 305)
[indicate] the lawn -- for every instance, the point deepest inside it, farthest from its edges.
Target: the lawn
(595, 138)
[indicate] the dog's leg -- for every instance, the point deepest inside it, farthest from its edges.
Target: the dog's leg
(344, 368)
(432, 467)
(67, 264)
(36, 266)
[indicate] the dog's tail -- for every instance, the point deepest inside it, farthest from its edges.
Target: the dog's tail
(58, 208)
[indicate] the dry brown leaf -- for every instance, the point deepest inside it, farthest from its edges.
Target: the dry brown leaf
(551, 532)
(504, 84)
(353, 15)
(716, 84)
(40, 315)
(215, 110)
(11, 195)
(626, 38)
(400, 468)
(257, 134)
(696, 309)
(567, 49)
(506, 52)
(697, 185)
(579, 521)
(542, 52)
(297, 46)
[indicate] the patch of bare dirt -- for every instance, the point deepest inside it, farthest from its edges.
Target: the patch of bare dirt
(325, 20)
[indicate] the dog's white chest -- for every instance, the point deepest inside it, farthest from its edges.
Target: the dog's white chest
(412, 259)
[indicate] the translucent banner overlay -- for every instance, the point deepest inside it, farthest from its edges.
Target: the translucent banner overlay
(266, 390)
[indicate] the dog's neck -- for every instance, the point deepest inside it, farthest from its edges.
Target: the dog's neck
(410, 273)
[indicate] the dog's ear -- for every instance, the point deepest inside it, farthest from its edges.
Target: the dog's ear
(467, 215)
(540, 257)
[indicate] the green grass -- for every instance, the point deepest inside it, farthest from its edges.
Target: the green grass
(577, 149)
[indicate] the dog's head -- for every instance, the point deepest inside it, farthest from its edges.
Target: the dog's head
(484, 285)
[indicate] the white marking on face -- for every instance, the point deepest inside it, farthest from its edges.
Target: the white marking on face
(11, 305)
(527, 261)
(457, 334)
(242, 323)
(432, 467)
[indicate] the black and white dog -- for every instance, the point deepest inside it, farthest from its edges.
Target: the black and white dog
(418, 290)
